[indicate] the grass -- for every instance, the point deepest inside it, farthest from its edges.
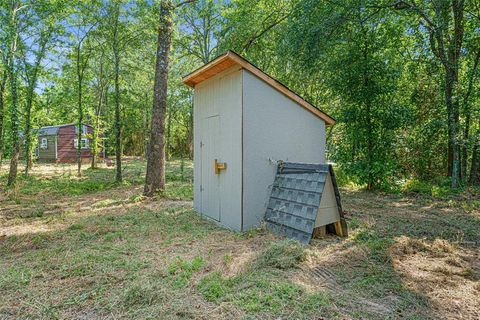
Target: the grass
(61, 180)
(89, 248)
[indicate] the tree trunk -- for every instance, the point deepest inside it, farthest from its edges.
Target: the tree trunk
(80, 112)
(466, 135)
(475, 167)
(368, 118)
(12, 175)
(96, 128)
(118, 129)
(190, 133)
(2, 91)
(28, 133)
(169, 124)
(32, 83)
(155, 176)
(12, 73)
(452, 110)
(449, 154)
(146, 132)
(93, 164)
(468, 115)
(81, 65)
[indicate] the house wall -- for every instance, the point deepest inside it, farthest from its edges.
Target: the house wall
(66, 151)
(274, 128)
(47, 154)
(220, 96)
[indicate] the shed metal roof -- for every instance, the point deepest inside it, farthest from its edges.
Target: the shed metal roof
(295, 198)
(53, 130)
(230, 59)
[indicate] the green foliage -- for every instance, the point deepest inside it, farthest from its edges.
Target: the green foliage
(368, 65)
(428, 188)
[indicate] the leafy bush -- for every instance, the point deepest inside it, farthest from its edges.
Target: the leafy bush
(439, 188)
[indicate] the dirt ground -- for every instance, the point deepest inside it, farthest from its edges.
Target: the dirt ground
(406, 257)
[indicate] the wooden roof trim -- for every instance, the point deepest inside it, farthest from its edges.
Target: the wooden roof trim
(189, 79)
(230, 55)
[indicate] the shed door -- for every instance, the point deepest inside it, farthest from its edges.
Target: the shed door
(210, 187)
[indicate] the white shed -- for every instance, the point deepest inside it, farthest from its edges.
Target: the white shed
(244, 122)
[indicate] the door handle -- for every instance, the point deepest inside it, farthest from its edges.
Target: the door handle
(219, 166)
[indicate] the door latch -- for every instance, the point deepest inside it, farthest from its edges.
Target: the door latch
(219, 166)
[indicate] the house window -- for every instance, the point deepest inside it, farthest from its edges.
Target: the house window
(84, 143)
(44, 143)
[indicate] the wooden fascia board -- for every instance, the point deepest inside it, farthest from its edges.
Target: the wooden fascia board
(188, 79)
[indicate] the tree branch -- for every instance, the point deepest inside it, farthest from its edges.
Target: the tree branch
(184, 2)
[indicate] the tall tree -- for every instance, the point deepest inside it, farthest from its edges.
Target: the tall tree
(12, 44)
(102, 82)
(200, 28)
(155, 175)
(3, 82)
(31, 76)
(122, 34)
(81, 61)
(444, 20)
(116, 62)
(467, 109)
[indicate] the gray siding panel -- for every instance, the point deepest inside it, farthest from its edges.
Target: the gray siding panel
(274, 128)
(219, 96)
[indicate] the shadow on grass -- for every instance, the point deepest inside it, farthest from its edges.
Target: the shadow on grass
(377, 266)
(94, 264)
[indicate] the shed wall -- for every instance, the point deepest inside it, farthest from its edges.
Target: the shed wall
(220, 96)
(47, 154)
(66, 151)
(274, 128)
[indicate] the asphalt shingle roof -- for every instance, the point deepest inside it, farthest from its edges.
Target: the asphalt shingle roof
(52, 130)
(48, 131)
(295, 198)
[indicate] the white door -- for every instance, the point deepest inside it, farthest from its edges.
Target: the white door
(210, 188)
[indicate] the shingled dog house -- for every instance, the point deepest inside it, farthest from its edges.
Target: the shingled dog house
(59, 143)
(244, 123)
(305, 202)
